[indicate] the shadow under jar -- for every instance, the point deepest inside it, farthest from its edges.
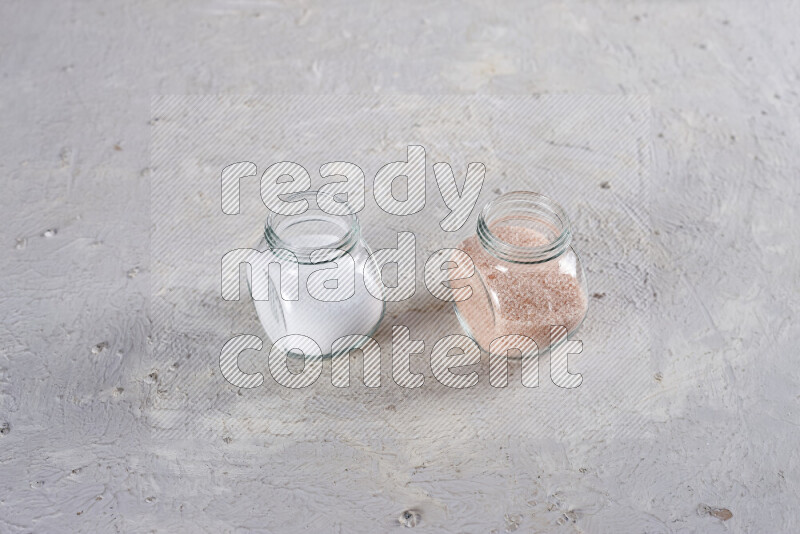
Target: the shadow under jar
(324, 256)
(527, 276)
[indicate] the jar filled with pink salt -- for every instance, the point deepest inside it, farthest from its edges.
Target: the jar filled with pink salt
(527, 275)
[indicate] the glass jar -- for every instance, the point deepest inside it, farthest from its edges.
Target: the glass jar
(527, 276)
(323, 256)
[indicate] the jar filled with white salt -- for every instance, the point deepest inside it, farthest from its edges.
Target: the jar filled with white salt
(527, 277)
(319, 290)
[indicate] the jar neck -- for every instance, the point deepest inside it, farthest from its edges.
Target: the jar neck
(314, 229)
(537, 214)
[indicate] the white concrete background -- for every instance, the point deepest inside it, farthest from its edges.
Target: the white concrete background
(77, 451)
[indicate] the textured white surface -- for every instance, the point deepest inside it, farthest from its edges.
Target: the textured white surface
(76, 383)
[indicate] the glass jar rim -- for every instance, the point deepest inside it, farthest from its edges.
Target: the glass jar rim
(527, 205)
(314, 213)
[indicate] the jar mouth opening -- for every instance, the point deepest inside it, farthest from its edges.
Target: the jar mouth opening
(311, 230)
(524, 227)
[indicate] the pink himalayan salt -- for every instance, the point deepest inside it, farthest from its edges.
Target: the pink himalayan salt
(526, 299)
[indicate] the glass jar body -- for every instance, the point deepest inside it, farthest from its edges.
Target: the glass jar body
(527, 276)
(323, 256)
